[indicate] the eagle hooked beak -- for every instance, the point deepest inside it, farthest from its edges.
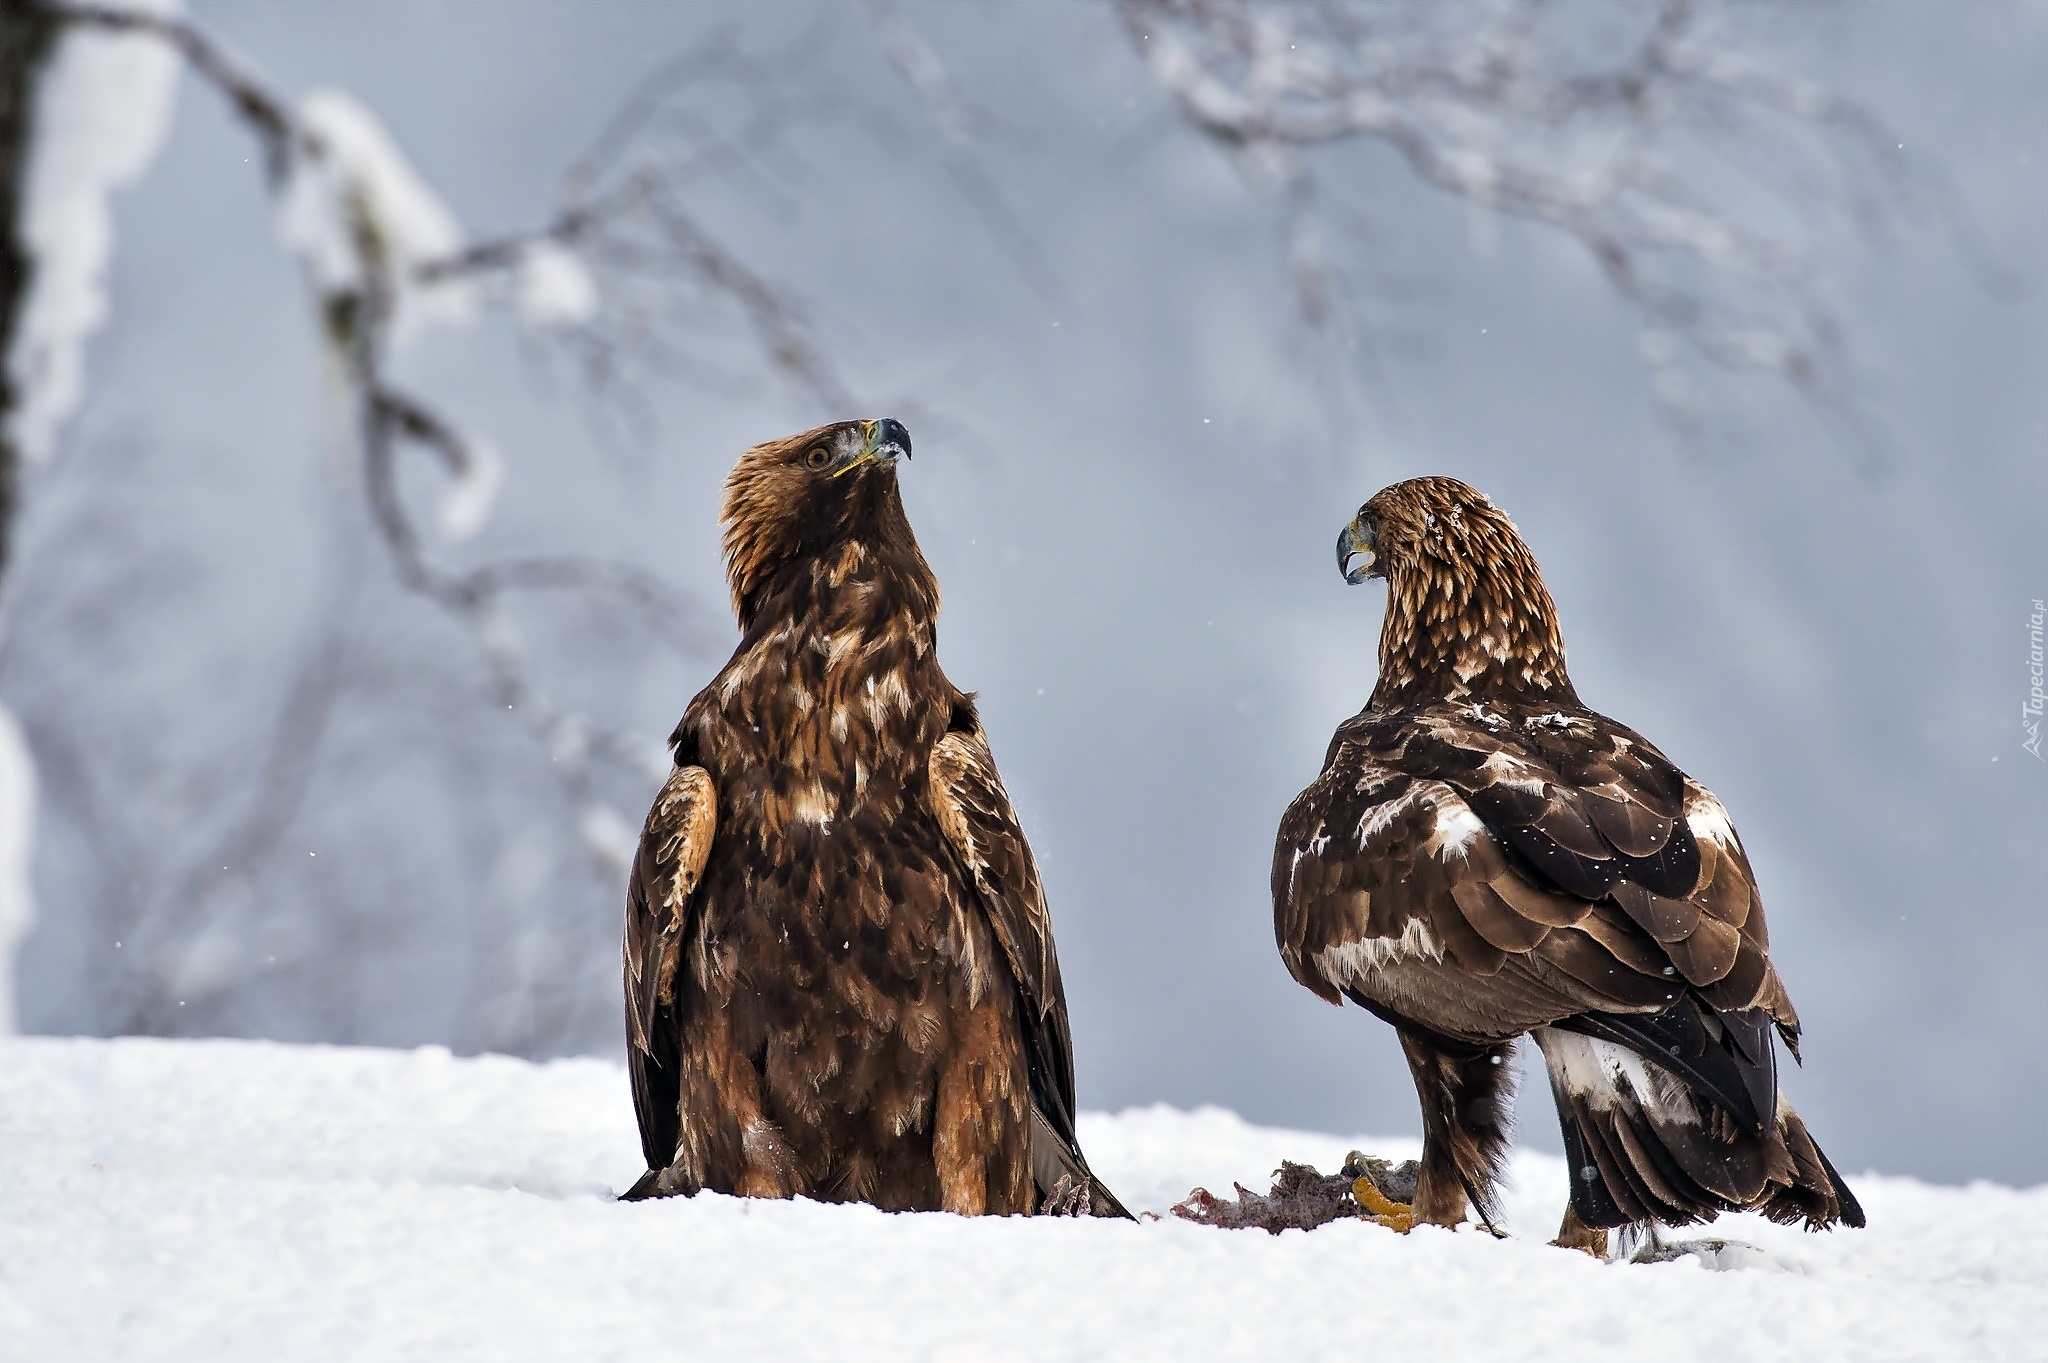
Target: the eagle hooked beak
(884, 442)
(1355, 542)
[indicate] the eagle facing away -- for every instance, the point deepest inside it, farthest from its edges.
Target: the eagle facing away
(1484, 857)
(839, 969)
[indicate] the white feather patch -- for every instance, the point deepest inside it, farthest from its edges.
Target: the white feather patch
(1456, 826)
(838, 645)
(1506, 769)
(1349, 963)
(1706, 817)
(1379, 816)
(813, 806)
(894, 692)
(1601, 1072)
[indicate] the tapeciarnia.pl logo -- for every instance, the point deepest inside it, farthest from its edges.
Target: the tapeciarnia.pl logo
(2030, 713)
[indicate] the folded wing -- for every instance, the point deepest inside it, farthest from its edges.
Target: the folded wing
(975, 814)
(660, 895)
(1476, 875)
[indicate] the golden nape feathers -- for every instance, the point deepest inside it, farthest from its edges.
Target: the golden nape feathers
(1467, 611)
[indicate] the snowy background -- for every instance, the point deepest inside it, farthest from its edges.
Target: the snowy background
(1132, 458)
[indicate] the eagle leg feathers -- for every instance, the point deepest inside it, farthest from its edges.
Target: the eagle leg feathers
(1467, 1094)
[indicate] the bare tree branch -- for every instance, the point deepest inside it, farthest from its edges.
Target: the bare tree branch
(1686, 175)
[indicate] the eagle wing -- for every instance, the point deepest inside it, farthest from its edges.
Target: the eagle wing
(1475, 874)
(976, 817)
(663, 881)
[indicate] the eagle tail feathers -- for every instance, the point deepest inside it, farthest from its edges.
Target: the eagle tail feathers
(1647, 1146)
(1820, 1197)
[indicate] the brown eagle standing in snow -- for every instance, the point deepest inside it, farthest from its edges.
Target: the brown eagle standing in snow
(840, 979)
(1484, 857)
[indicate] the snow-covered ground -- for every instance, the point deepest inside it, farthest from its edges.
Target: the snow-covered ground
(227, 1200)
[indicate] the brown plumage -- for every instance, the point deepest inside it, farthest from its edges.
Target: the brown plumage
(1483, 857)
(840, 977)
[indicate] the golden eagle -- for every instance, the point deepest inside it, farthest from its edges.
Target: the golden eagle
(839, 968)
(1484, 857)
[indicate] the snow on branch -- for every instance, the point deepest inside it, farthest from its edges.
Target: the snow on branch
(554, 287)
(1692, 179)
(102, 109)
(355, 212)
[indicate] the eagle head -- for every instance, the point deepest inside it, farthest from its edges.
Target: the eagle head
(1467, 611)
(795, 500)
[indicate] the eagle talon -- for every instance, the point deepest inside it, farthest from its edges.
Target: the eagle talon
(1398, 1217)
(1069, 1197)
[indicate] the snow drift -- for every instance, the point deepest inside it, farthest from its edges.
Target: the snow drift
(228, 1200)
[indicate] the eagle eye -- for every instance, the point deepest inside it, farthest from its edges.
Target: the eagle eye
(818, 457)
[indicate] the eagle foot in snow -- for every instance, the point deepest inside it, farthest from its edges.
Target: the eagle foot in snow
(1576, 1234)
